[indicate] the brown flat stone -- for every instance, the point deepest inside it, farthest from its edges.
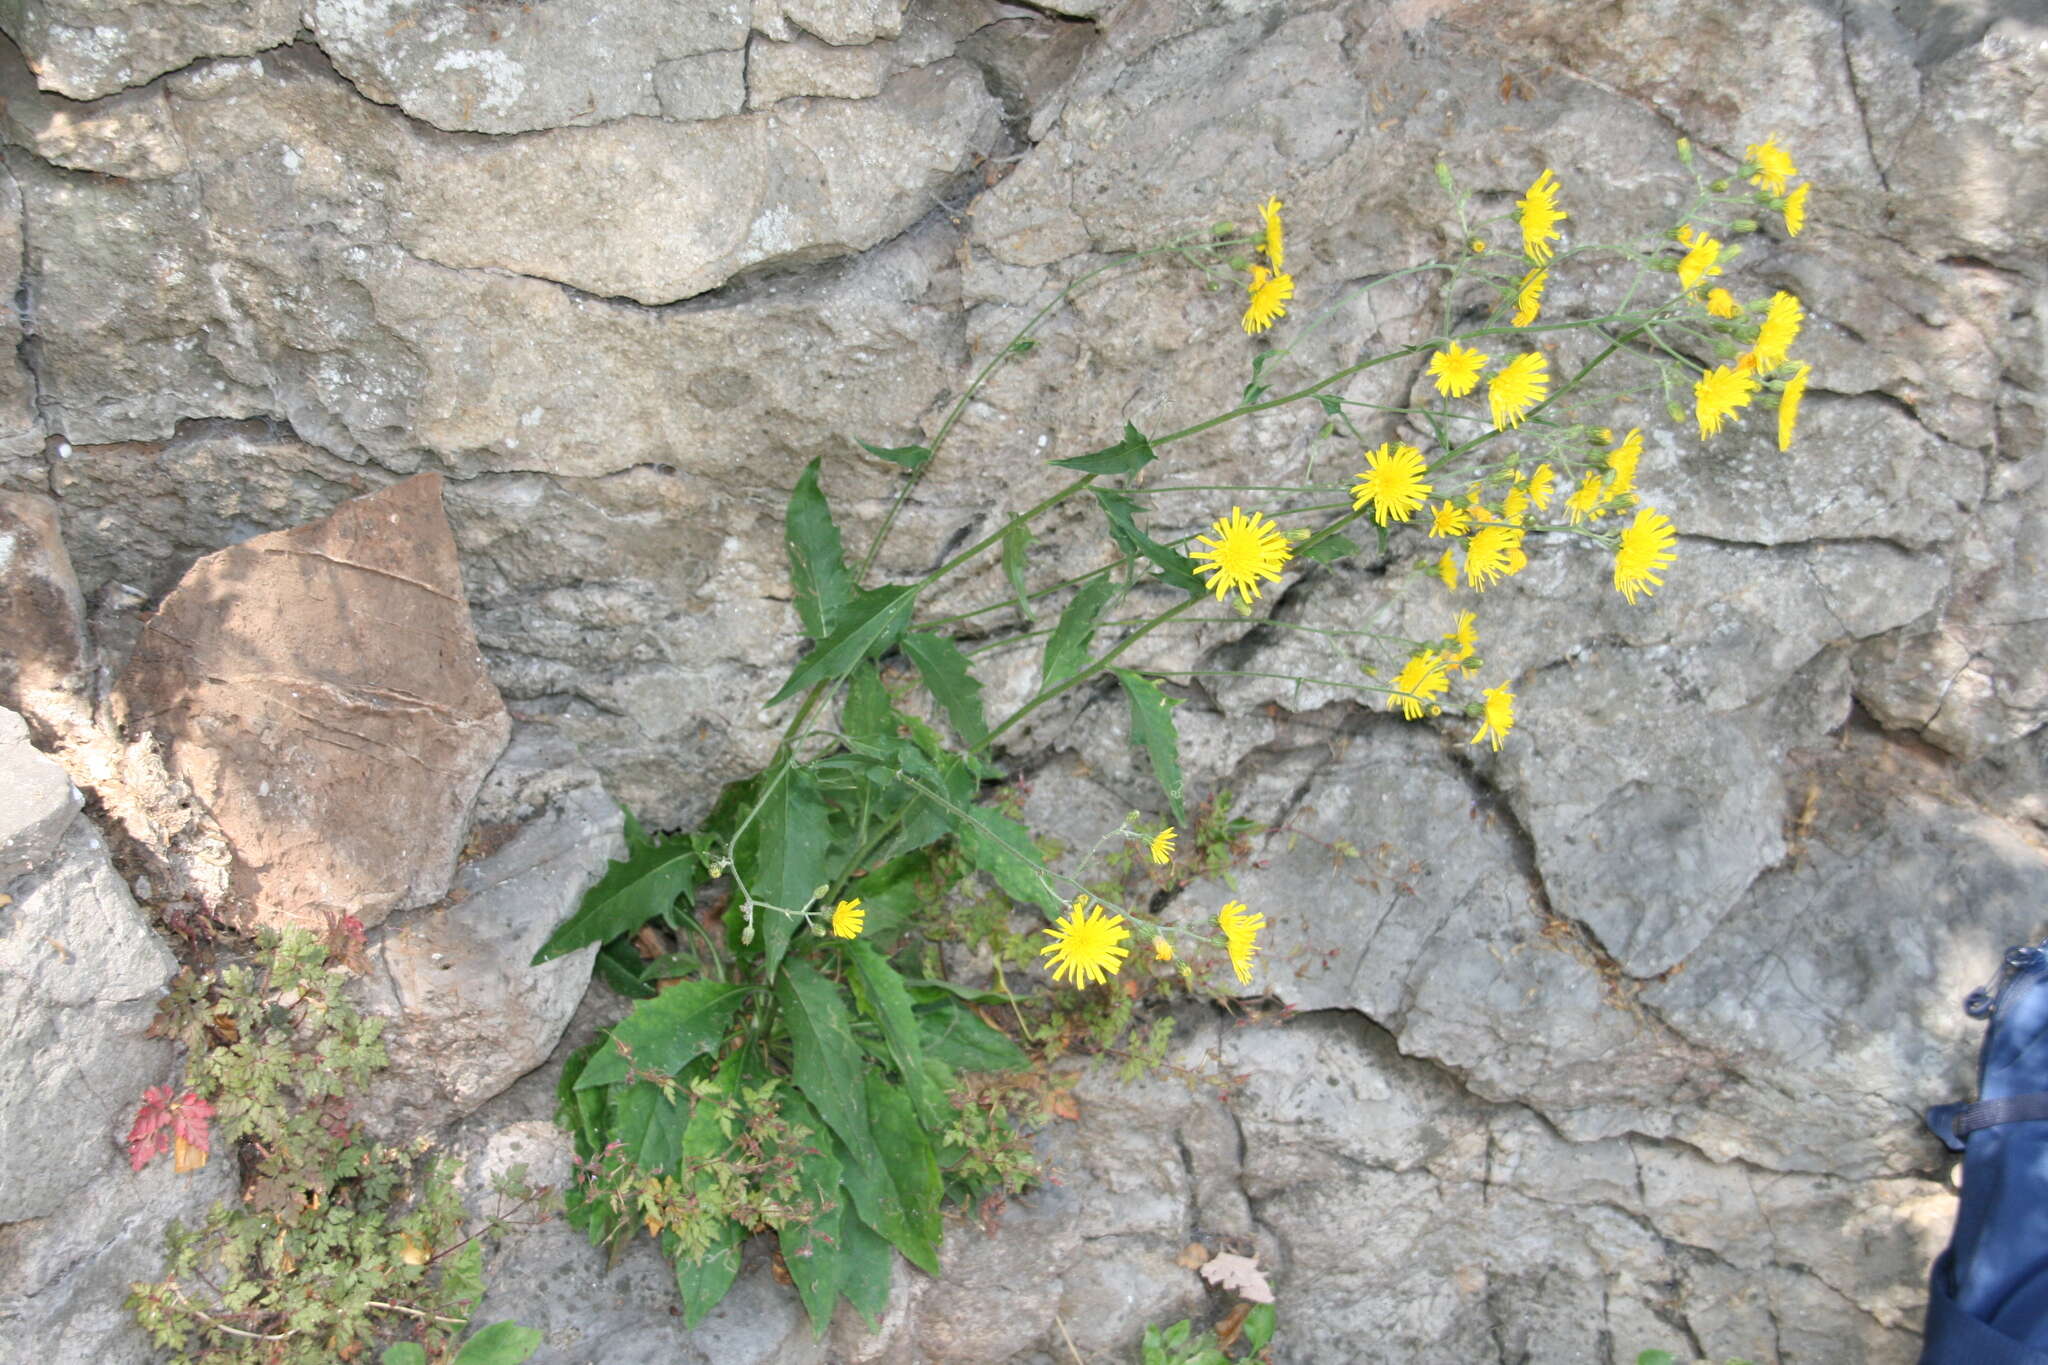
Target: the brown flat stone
(320, 694)
(45, 669)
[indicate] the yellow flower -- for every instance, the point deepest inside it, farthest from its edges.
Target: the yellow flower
(848, 919)
(1241, 934)
(1718, 394)
(1585, 498)
(1246, 549)
(1456, 369)
(1514, 506)
(1494, 551)
(1424, 676)
(1162, 846)
(1780, 328)
(1086, 944)
(1477, 246)
(1622, 460)
(1449, 519)
(1465, 635)
(1541, 485)
(1392, 483)
(1788, 405)
(1268, 292)
(1447, 569)
(1773, 166)
(1521, 384)
(1795, 209)
(1529, 297)
(1498, 716)
(1699, 261)
(1275, 247)
(1540, 216)
(1161, 949)
(1644, 550)
(1722, 304)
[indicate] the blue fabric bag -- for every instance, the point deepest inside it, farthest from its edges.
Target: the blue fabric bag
(1987, 1299)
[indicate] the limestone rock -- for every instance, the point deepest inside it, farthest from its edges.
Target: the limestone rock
(840, 22)
(320, 693)
(37, 802)
(128, 134)
(466, 1013)
(516, 69)
(83, 49)
(46, 671)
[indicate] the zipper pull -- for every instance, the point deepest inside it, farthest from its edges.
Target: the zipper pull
(1980, 1003)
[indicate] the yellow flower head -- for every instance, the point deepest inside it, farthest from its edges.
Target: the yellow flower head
(1424, 676)
(1722, 304)
(1529, 296)
(1542, 484)
(1392, 483)
(1449, 519)
(1456, 370)
(1773, 166)
(1498, 716)
(1540, 216)
(1161, 949)
(1795, 209)
(1162, 846)
(1585, 498)
(1241, 934)
(1718, 394)
(1494, 551)
(1465, 635)
(1700, 259)
(1269, 294)
(1645, 550)
(1521, 384)
(1514, 506)
(848, 919)
(1780, 329)
(1086, 944)
(1788, 405)
(1447, 569)
(1622, 460)
(1245, 550)
(1275, 247)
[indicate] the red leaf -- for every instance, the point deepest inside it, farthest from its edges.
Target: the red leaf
(188, 1121)
(149, 1138)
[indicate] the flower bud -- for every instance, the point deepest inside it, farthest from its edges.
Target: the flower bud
(1743, 225)
(1684, 157)
(1443, 177)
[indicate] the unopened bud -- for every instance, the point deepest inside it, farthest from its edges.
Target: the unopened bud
(1743, 225)
(1685, 152)
(1443, 176)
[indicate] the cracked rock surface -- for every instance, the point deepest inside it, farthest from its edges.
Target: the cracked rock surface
(1611, 1040)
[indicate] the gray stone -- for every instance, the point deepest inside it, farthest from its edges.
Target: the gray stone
(319, 692)
(466, 1014)
(708, 85)
(46, 673)
(128, 134)
(840, 22)
(84, 49)
(37, 802)
(516, 69)
(710, 200)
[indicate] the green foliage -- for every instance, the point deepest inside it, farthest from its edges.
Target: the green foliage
(502, 1343)
(1181, 1344)
(338, 1245)
(1655, 1357)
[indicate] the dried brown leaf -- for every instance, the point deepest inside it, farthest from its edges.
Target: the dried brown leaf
(1239, 1274)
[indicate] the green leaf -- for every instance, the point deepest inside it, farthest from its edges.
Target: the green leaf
(1152, 726)
(1260, 1324)
(665, 1034)
(957, 1036)
(782, 857)
(1067, 651)
(810, 1248)
(1002, 848)
(926, 990)
(650, 1124)
(827, 1063)
(889, 1004)
(462, 1278)
(817, 563)
(631, 892)
(910, 457)
(1655, 1358)
(890, 895)
(907, 1153)
(1329, 549)
(1016, 541)
(944, 670)
(404, 1353)
(866, 715)
(618, 966)
(581, 1112)
(865, 626)
(866, 1266)
(875, 1199)
(502, 1343)
(1127, 456)
(703, 1282)
(1174, 566)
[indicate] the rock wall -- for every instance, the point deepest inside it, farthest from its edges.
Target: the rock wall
(1619, 1033)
